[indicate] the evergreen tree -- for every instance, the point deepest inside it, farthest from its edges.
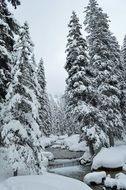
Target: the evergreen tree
(77, 80)
(123, 53)
(106, 79)
(20, 131)
(44, 109)
(8, 27)
(15, 3)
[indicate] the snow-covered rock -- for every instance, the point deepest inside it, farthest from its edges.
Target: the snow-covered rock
(119, 182)
(113, 157)
(86, 158)
(45, 182)
(124, 167)
(95, 177)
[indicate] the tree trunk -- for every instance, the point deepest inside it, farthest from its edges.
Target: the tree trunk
(15, 172)
(91, 148)
(111, 137)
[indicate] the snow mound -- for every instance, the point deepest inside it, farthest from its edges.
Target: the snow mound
(118, 183)
(48, 155)
(73, 144)
(62, 137)
(45, 182)
(124, 167)
(47, 141)
(113, 157)
(86, 158)
(95, 177)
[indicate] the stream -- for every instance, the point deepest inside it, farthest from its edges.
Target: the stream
(66, 163)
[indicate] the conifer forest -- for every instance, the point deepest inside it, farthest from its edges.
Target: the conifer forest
(75, 140)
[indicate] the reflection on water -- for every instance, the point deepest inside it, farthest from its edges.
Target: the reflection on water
(64, 153)
(73, 171)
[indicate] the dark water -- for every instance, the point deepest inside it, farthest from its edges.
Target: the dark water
(64, 153)
(65, 165)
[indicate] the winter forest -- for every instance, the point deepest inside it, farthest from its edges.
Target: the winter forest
(76, 140)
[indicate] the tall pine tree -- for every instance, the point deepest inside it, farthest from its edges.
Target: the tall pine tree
(123, 54)
(8, 27)
(77, 80)
(106, 78)
(15, 3)
(20, 132)
(44, 109)
(124, 50)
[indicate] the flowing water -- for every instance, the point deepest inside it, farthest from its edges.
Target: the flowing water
(66, 163)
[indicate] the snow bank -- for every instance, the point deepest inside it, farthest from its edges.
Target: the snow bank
(95, 177)
(119, 182)
(45, 182)
(86, 158)
(48, 155)
(72, 143)
(113, 157)
(6, 171)
(47, 141)
(62, 137)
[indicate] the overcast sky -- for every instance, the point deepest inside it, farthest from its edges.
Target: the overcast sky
(48, 21)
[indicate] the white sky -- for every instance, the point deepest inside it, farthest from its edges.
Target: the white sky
(48, 21)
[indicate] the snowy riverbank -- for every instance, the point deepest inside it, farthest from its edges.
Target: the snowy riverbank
(110, 158)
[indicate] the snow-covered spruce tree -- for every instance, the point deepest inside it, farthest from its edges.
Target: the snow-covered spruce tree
(106, 71)
(15, 3)
(78, 80)
(124, 50)
(8, 27)
(20, 132)
(123, 54)
(44, 109)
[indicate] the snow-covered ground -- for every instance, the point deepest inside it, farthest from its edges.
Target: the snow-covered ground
(64, 142)
(6, 171)
(71, 143)
(45, 182)
(47, 141)
(113, 157)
